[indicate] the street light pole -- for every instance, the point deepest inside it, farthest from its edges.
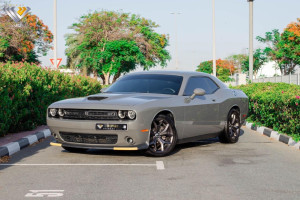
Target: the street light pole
(214, 40)
(251, 40)
(55, 34)
(176, 38)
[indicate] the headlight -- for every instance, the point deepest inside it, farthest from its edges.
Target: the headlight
(61, 112)
(121, 114)
(53, 112)
(131, 114)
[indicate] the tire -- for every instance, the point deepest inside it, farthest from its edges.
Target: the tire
(232, 130)
(75, 150)
(163, 136)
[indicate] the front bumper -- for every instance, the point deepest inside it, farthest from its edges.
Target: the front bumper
(87, 127)
(84, 146)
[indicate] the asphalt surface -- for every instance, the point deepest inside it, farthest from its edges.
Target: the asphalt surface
(254, 168)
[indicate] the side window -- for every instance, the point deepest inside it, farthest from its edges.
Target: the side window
(200, 82)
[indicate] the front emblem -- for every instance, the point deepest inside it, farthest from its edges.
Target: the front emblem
(100, 126)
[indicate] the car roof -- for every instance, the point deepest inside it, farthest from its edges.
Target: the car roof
(185, 74)
(170, 72)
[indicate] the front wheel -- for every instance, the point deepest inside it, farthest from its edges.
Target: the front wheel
(163, 136)
(233, 126)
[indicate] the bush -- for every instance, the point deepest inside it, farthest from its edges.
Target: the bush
(27, 90)
(275, 105)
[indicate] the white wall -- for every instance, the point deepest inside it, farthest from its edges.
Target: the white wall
(268, 70)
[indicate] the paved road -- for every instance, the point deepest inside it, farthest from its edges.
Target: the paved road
(254, 168)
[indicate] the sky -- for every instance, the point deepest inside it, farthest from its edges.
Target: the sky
(194, 24)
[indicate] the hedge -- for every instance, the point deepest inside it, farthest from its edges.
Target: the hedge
(275, 105)
(26, 90)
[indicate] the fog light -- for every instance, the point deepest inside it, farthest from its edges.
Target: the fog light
(131, 114)
(53, 112)
(61, 112)
(129, 140)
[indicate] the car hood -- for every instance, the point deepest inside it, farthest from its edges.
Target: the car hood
(109, 100)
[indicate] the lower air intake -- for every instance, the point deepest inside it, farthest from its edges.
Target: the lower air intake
(89, 138)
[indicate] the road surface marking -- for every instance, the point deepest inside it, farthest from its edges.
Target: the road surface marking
(45, 193)
(159, 165)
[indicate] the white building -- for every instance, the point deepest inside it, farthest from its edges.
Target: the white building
(268, 70)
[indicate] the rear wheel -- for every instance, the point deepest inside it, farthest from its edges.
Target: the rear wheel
(233, 126)
(74, 150)
(163, 136)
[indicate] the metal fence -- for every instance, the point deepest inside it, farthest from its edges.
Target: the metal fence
(291, 79)
(240, 79)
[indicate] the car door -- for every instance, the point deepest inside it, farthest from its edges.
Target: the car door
(201, 114)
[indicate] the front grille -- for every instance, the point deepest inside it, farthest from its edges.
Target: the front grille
(89, 138)
(90, 114)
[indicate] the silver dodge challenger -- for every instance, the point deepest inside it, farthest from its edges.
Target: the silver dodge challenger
(151, 111)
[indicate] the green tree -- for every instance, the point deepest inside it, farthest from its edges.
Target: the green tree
(225, 68)
(206, 67)
(259, 59)
(284, 48)
(238, 60)
(111, 43)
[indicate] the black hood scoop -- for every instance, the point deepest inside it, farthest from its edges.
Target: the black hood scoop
(96, 98)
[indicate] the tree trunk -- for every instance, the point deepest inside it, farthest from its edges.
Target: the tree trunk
(109, 82)
(282, 71)
(285, 70)
(291, 68)
(117, 75)
(102, 78)
(106, 78)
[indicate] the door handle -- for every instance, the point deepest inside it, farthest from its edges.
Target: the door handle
(213, 100)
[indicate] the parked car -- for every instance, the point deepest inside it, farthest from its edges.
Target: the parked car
(151, 111)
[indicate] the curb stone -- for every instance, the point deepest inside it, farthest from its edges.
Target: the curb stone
(274, 134)
(13, 147)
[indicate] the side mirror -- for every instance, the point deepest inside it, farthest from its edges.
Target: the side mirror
(197, 92)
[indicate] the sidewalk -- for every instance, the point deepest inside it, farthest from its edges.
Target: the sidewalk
(12, 137)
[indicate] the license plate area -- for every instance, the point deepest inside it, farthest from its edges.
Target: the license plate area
(121, 127)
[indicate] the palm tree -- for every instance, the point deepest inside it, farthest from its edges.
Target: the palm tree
(74, 60)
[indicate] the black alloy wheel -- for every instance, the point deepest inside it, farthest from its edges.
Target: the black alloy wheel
(163, 136)
(233, 127)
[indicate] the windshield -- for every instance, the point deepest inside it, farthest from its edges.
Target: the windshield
(147, 83)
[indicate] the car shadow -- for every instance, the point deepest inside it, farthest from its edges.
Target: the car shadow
(46, 144)
(177, 148)
(198, 143)
(111, 152)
